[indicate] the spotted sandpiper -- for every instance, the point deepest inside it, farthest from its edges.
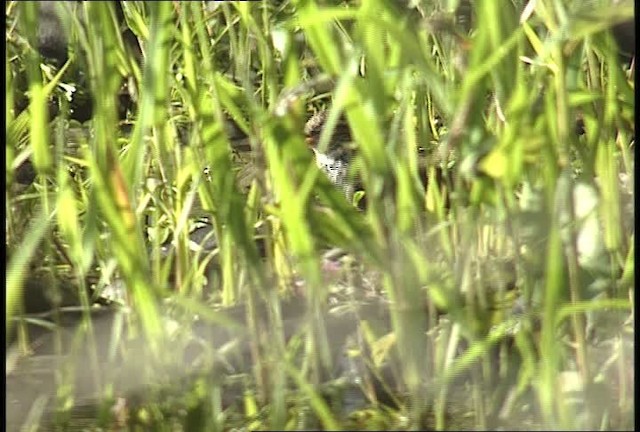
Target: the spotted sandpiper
(335, 160)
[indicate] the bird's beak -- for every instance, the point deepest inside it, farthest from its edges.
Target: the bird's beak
(310, 141)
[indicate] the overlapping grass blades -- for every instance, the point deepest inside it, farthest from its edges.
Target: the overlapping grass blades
(504, 99)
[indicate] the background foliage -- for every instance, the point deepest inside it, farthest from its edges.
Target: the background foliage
(518, 249)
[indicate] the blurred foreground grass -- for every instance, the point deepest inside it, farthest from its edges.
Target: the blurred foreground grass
(508, 287)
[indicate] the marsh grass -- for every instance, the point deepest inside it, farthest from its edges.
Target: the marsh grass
(502, 233)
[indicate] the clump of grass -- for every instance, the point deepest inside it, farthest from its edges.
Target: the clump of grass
(492, 287)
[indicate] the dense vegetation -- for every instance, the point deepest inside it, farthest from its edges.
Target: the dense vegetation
(488, 281)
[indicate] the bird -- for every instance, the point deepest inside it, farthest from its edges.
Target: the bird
(335, 161)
